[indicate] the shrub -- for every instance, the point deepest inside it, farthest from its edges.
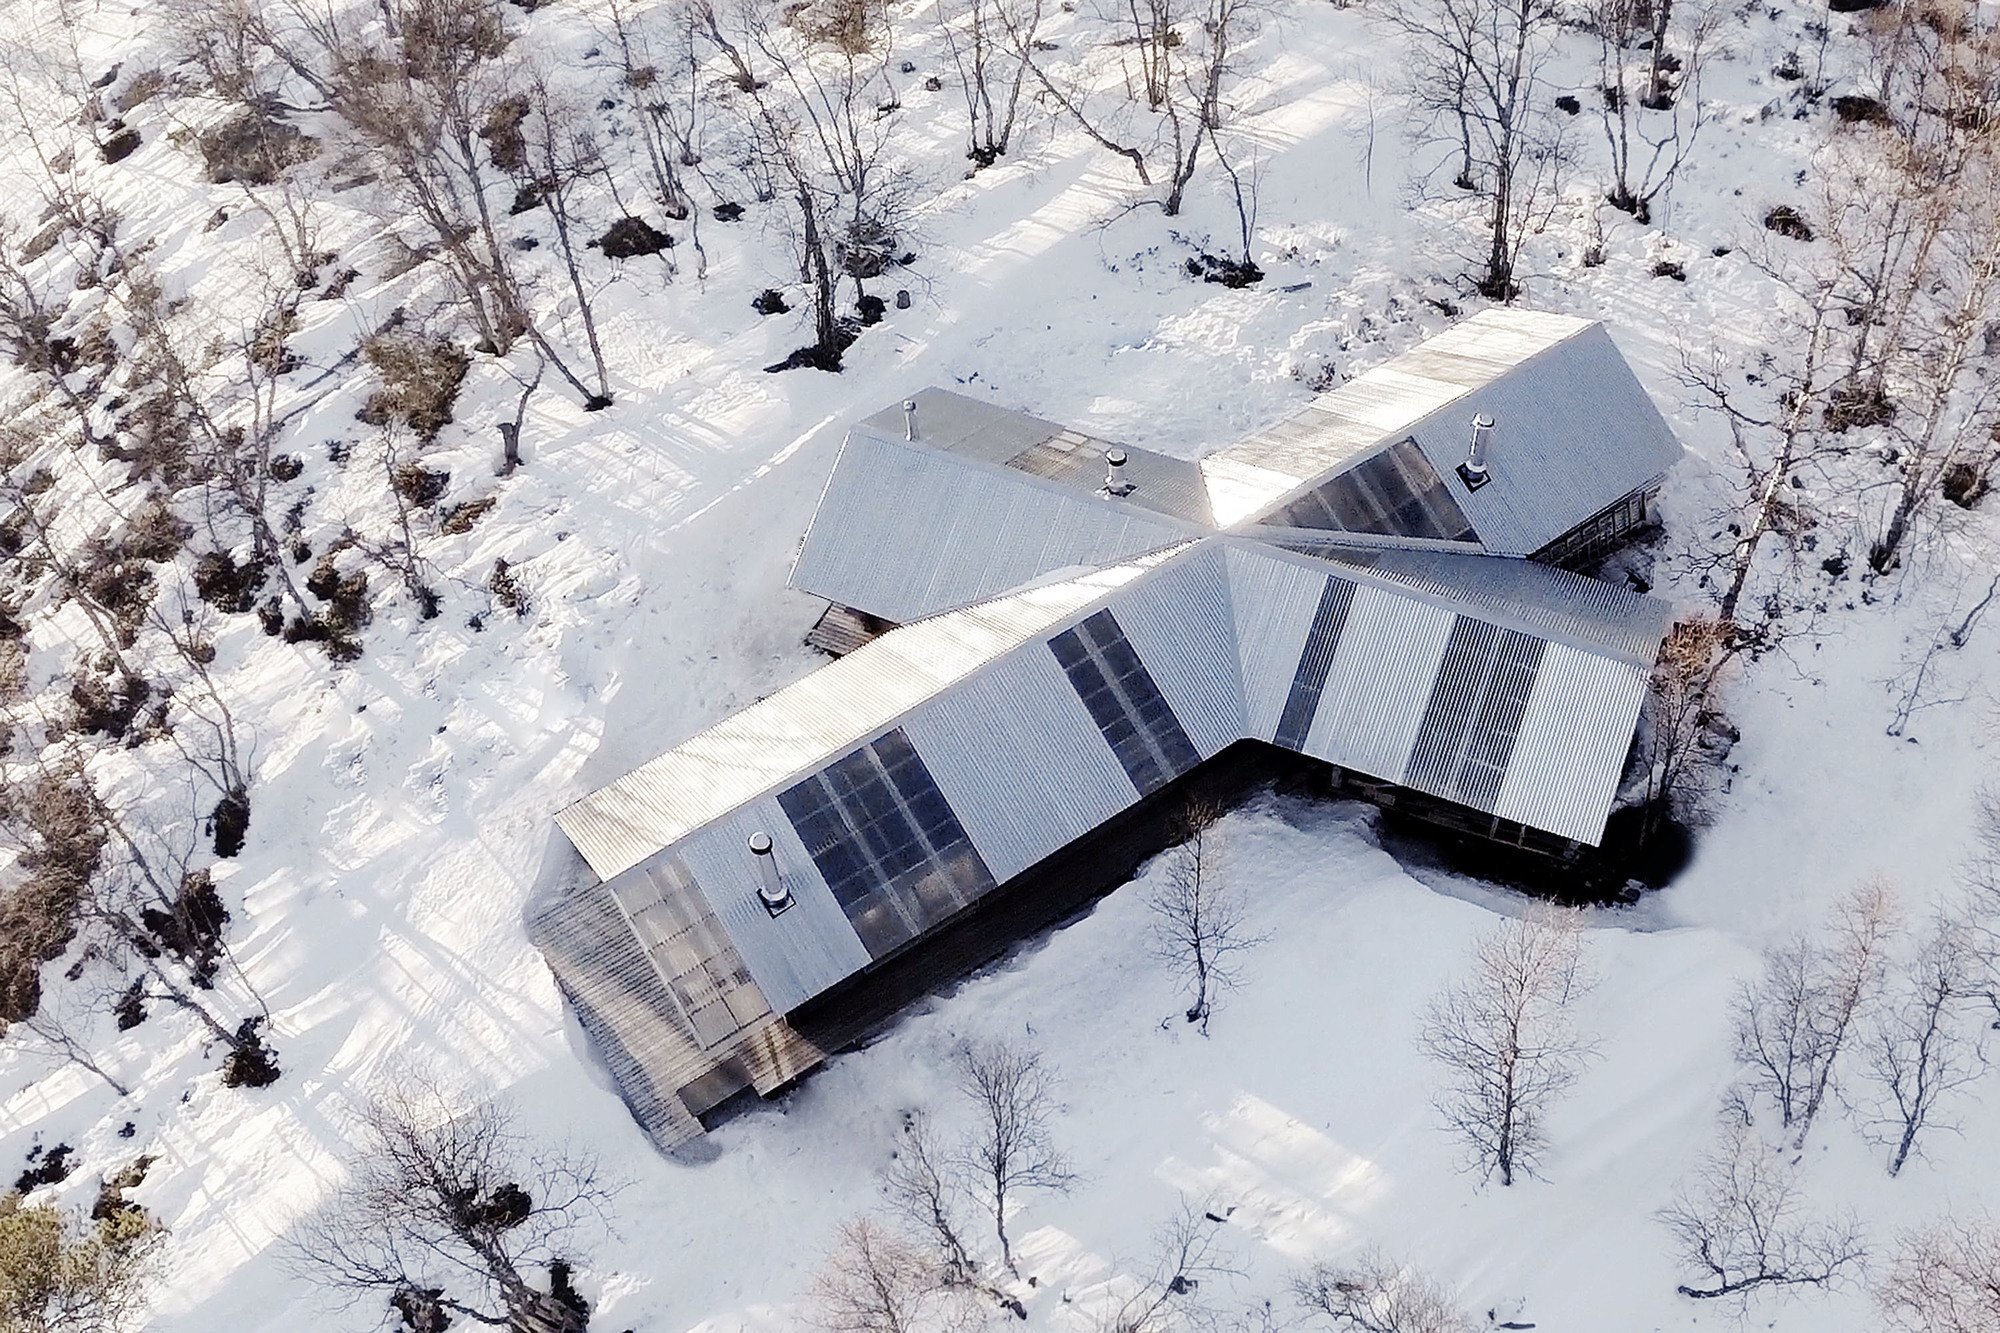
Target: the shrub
(122, 143)
(502, 132)
(111, 1204)
(130, 1008)
(1788, 222)
(460, 518)
(253, 149)
(250, 1063)
(50, 1167)
(226, 585)
(154, 532)
(191, 930)
(419, 485)
(630, 237)
(230, 822)
(122, 585)
(63, 1272)
(420, 376)
(507, 589)
(103, 704)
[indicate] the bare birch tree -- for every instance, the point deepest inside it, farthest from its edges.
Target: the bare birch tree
(927, 1191)
(1648, 150)
(876, 1281)
(1189, 1261)
(1793, 1023)
(1943, 1278)
(1012, 1149)
(821, 132)
(1179, 58)
(1682, 713)
(1739, 1223)
(1505, 1042)
(1375, 1294)
(990, 42)
(1918, 1051)
(454, 1209)
(1476, 75)
(1200, 915)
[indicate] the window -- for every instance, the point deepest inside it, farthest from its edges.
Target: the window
(1599, 535)
(1467, 735)
(1124, 702)
(1315, 660)
(1397, 493)
(703, 972)
(886, 842)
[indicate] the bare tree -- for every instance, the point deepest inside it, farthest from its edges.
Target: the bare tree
(1188, 1256)
(875, 1281)
(1012, 1149)
(1374, 1294)
(989, 42)
(562, 153)
(440, 114)
(1739, 1223)
(1648, 151)
(1477, 84)
(1778, 439)
(1793, 1023)
(1917, 1050)
(1179, 57)
(1683, 718)
(454, 1209)
(821, 133)
(60, 1022)
(1505, 1042)
(1943, 1278)
(925, 1190)
(1200, 916)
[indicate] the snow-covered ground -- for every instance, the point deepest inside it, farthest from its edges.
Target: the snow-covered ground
(402, 803)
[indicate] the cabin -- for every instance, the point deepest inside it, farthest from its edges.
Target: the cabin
(1044, 643)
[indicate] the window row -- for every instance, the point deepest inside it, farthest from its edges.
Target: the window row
(887, 842)
(1124, 702)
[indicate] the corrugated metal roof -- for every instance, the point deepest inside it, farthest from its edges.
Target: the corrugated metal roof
(1574, 431)
(904, 531)
(787, 734)
(1564, 776)
(952, 423)
(1520, 594)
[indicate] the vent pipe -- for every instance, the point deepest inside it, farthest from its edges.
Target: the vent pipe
(1114, 473)
(909, 418)
(1473, 470)
(771, 890)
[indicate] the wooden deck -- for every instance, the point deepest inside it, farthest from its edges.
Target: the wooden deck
(841, 629)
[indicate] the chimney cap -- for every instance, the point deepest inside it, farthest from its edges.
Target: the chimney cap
(760, 844)
(1115, 457)
(1480, 421)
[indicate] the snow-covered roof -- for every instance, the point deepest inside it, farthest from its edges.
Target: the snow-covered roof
(1517, 699)
(1573, 429)
(622, 824)
(983, 499)
(909, 530)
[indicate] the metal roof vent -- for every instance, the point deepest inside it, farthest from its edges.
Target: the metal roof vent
(909, 418)
(771, 890)
(1473, 470)
(1114, 473)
